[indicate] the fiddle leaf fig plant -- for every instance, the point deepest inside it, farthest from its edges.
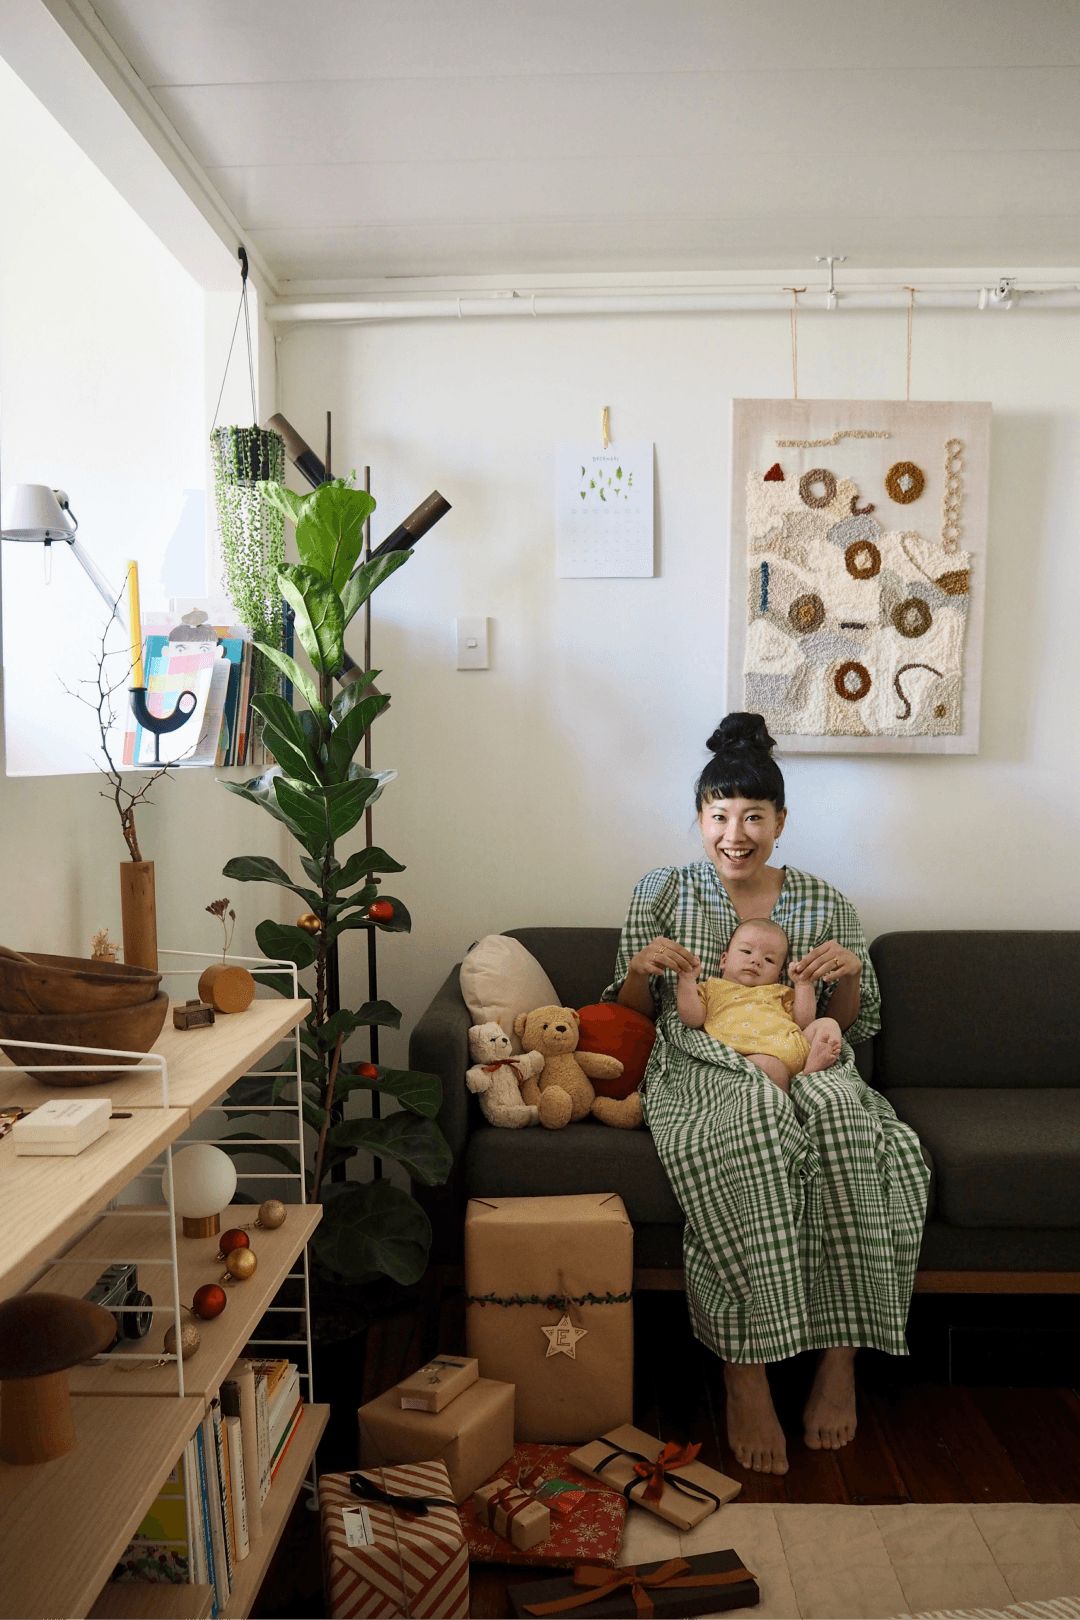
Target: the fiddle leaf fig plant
(319, 792)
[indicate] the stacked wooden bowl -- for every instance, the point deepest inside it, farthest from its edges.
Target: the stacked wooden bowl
(77, 1001)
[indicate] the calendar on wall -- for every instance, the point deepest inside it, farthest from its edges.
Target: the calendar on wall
(604, 523)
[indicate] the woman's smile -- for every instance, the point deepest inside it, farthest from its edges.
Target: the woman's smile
(739, 834)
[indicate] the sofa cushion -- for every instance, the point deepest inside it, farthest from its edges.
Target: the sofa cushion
(1001, 1158)
(944, 1013)
(580, 962)
(501, 979)
(584, 1158)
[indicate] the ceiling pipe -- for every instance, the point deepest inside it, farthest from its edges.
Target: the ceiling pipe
(502, 306)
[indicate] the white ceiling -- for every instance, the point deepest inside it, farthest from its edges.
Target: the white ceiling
(368, 138)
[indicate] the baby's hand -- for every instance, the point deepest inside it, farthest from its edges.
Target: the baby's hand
(689, 975)
(795, 972)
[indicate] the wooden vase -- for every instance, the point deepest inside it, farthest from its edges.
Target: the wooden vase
(226, 988)
(139, 913)
(36, 1421)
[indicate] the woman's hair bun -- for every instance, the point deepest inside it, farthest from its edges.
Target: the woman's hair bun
(739, 731)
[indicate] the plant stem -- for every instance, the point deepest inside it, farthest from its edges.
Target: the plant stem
(320, 1156)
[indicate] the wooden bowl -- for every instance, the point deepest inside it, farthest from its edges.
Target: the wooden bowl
(134, 1029)
(65, 984)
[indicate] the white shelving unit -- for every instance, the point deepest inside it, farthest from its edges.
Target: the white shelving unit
(64, 1524)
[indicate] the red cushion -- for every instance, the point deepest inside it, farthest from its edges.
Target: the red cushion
(621, 1033)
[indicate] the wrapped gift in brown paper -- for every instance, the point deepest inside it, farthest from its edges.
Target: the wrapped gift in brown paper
(512, 1513)
(548, 1284)
(670, 1482)
(436, 1385)
(473, 1436)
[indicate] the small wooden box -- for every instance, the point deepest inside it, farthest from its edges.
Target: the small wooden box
(192, 1015)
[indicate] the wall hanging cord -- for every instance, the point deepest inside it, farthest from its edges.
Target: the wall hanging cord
(910, 318)
(242, 309)
(795, 291)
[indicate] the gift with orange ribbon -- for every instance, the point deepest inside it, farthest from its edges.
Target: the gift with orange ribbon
(704, 1583)
(666, 1479)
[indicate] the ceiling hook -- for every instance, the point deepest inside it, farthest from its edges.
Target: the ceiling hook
(831, 259)
(241, 254)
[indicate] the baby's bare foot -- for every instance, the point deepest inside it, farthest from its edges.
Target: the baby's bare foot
(829, 1418)
(753, 1429)
(825, 1043)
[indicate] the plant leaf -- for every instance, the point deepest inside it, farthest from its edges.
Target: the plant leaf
(367, 578)
(320, 622)
(330, 531)
(285, 943)
(260, 790)
(352, 694)
(300, 679)
(304, 811)
(373, 1226)
(284, 725)
(359, 865)
(349, 731)
(314, 869)
(420, 1092)
(283, 499)
(412, 1140)
(400, 922)
(261, 869)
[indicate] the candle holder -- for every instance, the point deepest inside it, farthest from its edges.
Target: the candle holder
(159, 724)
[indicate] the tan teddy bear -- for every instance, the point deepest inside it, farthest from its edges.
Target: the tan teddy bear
(497, 1075)
(563, 1092)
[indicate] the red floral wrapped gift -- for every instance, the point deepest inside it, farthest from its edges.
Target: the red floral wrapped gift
(393, 1544)
(586, 1517)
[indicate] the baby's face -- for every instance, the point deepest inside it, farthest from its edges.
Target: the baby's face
(755, 956)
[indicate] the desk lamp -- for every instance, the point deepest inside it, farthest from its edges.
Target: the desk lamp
(35, 512)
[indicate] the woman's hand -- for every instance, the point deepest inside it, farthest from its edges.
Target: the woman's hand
(662, 955)
(829, 962)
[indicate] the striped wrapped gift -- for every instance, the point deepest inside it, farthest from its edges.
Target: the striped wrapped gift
(417, 1566)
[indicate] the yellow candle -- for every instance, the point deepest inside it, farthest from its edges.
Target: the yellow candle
(135, 621)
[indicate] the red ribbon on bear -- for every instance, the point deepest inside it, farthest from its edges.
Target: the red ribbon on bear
(506, 1063)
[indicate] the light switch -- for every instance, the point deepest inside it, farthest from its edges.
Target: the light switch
(472, 643)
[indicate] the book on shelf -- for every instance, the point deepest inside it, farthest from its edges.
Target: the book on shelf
(234, 1445)
(213, 1508)
(273, 1369)
(210, 1570)
(286, 1439)
(221, 729)
(221, 1459)
(162, 1551)
(238, 1400)
(282, 1407)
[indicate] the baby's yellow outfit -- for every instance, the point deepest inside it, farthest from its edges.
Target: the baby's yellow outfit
(755, 1018)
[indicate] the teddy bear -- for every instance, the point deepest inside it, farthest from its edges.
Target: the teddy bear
(563, 1091)
(498, 1076)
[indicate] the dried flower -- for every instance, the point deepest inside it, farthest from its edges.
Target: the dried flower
(220, 909)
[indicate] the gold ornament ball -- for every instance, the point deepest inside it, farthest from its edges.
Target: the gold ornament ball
(272, 1214)
(308, 922)
(241, 1264)
(190, 1340)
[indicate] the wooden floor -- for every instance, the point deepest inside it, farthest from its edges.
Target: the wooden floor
(920, 1438)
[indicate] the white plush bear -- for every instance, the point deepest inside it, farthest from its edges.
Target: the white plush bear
(498, 1075)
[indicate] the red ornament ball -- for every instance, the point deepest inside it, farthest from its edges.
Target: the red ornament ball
(381, 911)
(209, 1301)
(234, 1238)
(367, 1071)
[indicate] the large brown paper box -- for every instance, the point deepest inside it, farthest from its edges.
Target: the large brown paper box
(604, 1460)
(473, 1436)
(570, 1256)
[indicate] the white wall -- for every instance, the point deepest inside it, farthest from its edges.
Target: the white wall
(538, 791)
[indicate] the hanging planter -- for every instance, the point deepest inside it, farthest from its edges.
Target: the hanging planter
(252, 534)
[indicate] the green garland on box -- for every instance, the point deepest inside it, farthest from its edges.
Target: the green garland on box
(252, 535)
(550, 1300)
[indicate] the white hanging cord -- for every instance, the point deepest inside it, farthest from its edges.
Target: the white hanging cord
(910, 318)
(242, 309)
(795, 291)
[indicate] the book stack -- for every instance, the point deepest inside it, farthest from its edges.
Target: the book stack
(219, 672)
(209, 1511)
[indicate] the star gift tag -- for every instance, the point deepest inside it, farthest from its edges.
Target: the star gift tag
(563, 1337)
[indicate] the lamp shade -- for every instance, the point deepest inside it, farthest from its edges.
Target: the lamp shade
(32, 512)
(204, 1180)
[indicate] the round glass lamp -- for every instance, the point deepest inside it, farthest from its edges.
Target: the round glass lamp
(204, 1181)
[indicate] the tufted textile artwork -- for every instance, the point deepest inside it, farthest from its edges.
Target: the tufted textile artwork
(855, 596)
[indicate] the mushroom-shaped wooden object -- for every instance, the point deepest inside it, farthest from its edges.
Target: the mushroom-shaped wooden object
(41, 1336)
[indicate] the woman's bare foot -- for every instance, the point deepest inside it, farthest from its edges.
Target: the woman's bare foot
(829, 1418)
(753, 1429)
(825, 1041)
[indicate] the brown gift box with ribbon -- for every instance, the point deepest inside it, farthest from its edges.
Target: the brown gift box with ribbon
(703, 1583)
(473, 1436)
(548, 1286)
(666, 1479)
(441, 1381)
(512, 1513)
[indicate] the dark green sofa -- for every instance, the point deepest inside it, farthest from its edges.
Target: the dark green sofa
(973, 1054)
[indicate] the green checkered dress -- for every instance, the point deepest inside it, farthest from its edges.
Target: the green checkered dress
(804, 1214)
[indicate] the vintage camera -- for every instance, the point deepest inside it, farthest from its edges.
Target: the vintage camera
(119, 1285)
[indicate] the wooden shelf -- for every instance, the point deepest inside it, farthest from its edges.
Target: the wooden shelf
(203, 1063)
(67, 1522)
(147, 1600)
(44, 1202)
(275, 1512)
(222, 1339)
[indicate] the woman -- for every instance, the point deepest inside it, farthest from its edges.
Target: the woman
(804, 1213)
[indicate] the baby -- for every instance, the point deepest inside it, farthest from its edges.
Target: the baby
(751, 1011)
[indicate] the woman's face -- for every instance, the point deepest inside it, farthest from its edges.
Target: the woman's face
(739, 834)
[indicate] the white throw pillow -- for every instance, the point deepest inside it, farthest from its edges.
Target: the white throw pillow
(500, 979)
